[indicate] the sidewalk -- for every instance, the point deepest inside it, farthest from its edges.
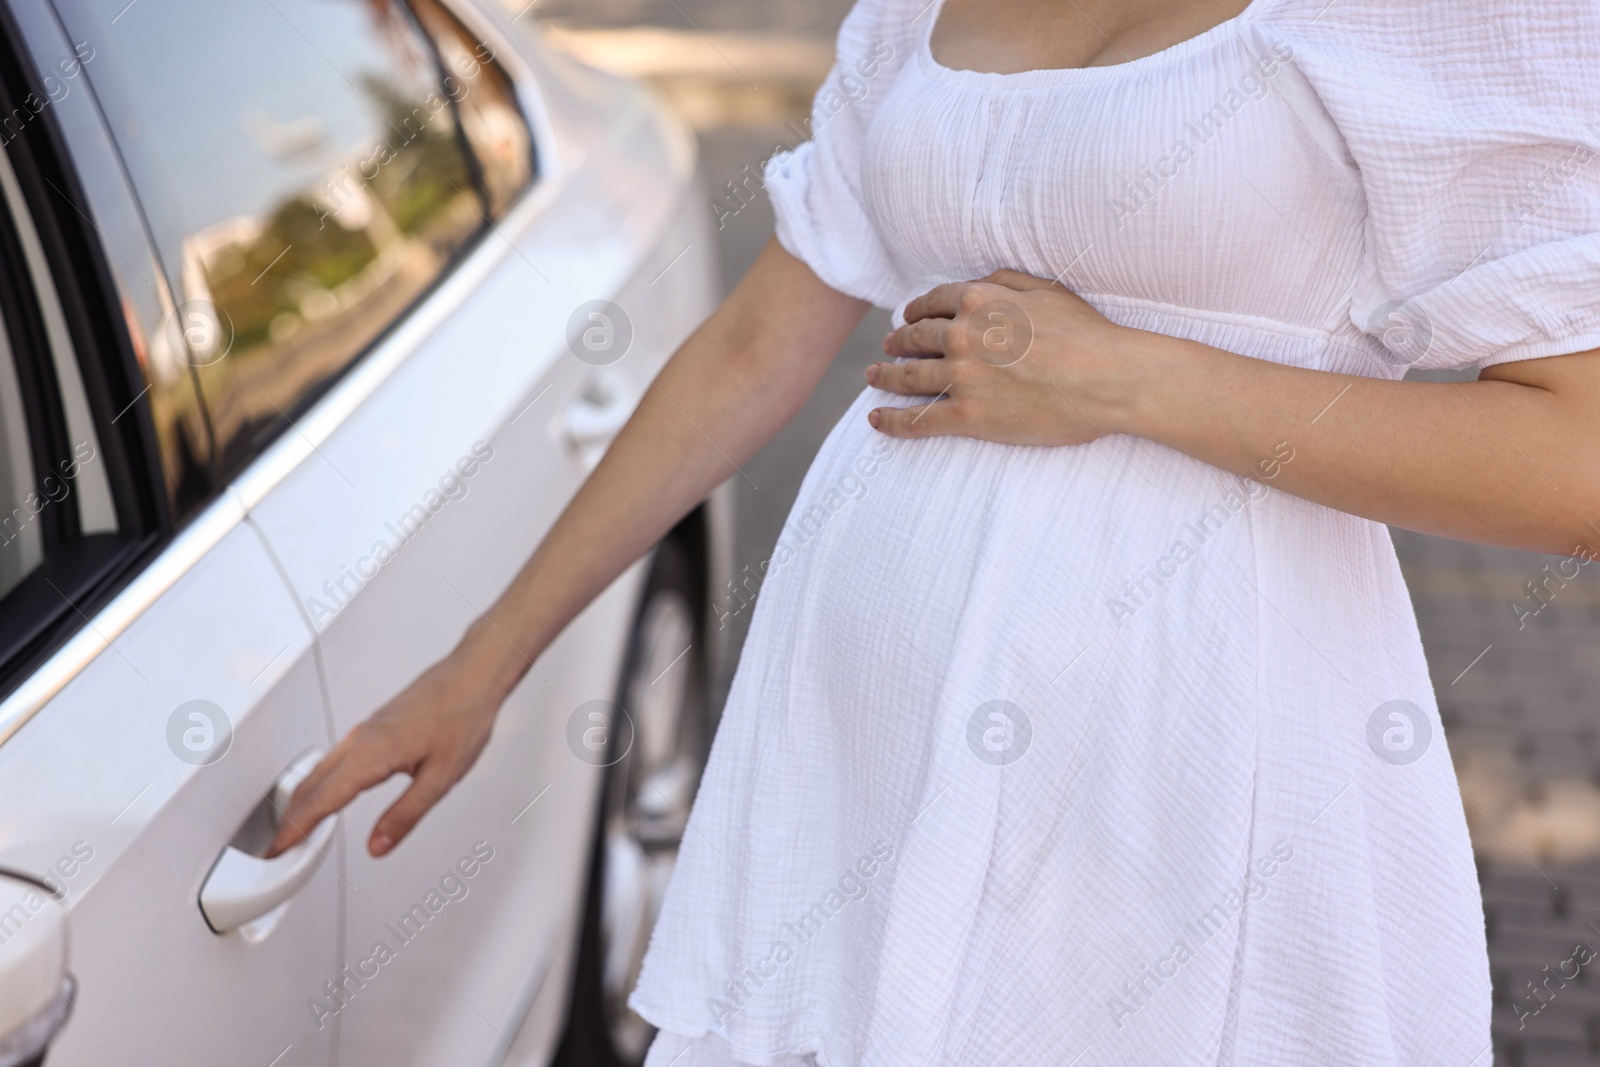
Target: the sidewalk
(1519, 709)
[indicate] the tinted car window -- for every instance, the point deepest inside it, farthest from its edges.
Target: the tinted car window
(305, 179)
(60, 533)
(486, 105)
(21, 544)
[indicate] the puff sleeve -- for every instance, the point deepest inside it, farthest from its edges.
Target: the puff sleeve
(1476, 129)
(823, 216)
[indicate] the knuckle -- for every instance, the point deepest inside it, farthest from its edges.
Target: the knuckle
(959, 342)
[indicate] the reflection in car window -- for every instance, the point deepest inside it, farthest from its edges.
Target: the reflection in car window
(21, 546)
(305, 180)
(486, 106)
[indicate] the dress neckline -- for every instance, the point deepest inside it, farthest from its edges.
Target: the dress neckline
(1026, 79)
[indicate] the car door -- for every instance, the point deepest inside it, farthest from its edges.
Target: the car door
(422, 503)
(127, 787)
(158, 678)
(331, 189)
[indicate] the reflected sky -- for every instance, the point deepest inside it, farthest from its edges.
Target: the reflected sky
(231, 127)
(303, 179)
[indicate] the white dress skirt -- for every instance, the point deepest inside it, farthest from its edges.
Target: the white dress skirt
(1099, 754)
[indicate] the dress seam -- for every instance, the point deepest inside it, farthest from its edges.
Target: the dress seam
(979, 554)
(1229, 1036)
(1222, 318)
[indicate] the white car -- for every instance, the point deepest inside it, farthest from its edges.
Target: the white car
(315, 314)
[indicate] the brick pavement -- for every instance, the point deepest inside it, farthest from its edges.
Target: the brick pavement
(1521, 724)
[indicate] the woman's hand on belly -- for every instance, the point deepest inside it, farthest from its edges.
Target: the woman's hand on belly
(1509, 459)
(1011, 358)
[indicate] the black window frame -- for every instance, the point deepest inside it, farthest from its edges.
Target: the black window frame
(79, 573)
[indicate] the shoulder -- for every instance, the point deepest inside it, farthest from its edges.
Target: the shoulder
(1482, 31)
(1506, 70)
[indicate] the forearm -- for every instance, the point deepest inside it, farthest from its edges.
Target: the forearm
(723, 395)
(1497, 461)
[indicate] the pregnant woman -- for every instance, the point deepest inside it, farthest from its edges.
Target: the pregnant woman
(1083, 718)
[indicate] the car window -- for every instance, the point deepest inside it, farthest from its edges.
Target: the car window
(486, 104)
(21, 542)
(51, 488)
(305, 180)
(60, 530)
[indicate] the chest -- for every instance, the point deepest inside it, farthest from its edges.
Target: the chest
(1008, 36)
(1204, 176)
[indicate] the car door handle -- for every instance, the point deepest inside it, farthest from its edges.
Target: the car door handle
(596, 415)
(242, 887)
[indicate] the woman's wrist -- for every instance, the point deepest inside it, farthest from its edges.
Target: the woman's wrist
(1144, 372)
(487, 655)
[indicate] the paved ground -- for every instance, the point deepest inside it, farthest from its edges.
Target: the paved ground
(1521, 723)
(1519, 704)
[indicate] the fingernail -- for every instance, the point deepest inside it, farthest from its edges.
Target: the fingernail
(886, 339)
(381, 843)
(872, 417)
(872, 374)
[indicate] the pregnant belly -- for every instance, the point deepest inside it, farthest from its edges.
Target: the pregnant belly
(1107, 530)
(1038, 569)
(1184, 665)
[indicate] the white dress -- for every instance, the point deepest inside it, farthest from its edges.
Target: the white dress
(1098, 754)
